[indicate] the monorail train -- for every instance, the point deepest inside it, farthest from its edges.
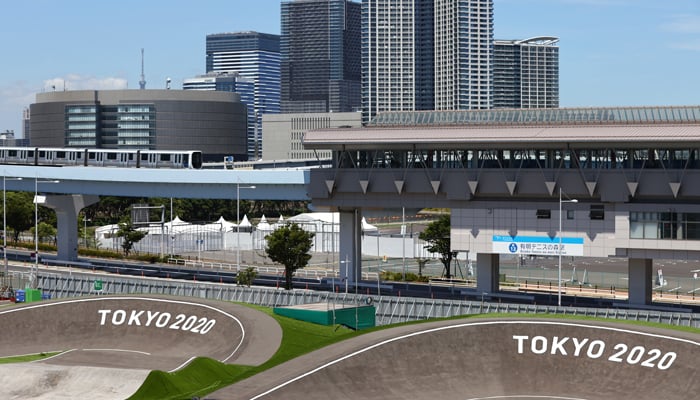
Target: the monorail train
(189, 159)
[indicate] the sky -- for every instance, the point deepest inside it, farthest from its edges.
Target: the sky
(612, 52)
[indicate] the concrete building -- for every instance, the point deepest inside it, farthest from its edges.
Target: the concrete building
(320, 46)
(506, 175)
(212, 122)
(283, 133)
(526, 73)
(426, 54)
(254, 56)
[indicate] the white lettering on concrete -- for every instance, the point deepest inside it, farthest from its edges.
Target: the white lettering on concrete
(118, 317)
(103, 314)
(595, 349)
(135, 318)
(181, 322)
(558, 345)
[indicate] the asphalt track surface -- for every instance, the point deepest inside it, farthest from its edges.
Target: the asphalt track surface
(491, 359)
(109, 344)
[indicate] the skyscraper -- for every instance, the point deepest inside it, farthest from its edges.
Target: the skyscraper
(526, 73)
(254, 56)
(320, 51)
(426, 54)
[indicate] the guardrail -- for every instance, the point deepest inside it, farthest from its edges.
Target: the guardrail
(266, 270)
(388, 309)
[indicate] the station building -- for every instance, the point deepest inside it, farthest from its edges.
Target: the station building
(618, 182)
(210, 121)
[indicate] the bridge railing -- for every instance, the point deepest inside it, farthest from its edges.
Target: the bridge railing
(389, 310)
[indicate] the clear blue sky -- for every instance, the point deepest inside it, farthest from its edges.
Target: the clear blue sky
(612, 52)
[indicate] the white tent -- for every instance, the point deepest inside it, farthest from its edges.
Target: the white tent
(367, 227)
(245, 223)
(177, 225)
(263, 225)
(224, 225)
(319, 219)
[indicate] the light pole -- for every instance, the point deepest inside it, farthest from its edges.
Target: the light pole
(85, 221)
(238, 222)
(4, 223)
(560, 241)
(36, 229)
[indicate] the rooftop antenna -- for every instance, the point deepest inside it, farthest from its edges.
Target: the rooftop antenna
(142, 82)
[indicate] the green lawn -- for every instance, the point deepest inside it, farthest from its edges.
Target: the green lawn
(26, 358)
(205, 375)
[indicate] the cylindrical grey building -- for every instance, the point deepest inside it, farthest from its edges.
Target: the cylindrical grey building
(210, 121)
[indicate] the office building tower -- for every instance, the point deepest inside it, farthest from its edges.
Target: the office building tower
(426, 54)
(254, 56)
(526, 73)
(320, 48)
(233, 82)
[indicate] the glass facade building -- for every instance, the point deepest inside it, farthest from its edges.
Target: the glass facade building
(129, 126)
(245, 87)
(426, 54)
(526, 73)
(320, 51)
(255, 57)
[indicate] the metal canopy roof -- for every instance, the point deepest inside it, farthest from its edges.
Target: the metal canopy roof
(511, 137)
(549, 116)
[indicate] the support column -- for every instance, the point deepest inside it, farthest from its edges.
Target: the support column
(67, 208)
(640, 276)
(350, 247)
(487, 272)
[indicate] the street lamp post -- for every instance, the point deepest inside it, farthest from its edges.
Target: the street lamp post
(238, 222)
(36, 229)
(560, 244)
(4, 223)
(85, 221)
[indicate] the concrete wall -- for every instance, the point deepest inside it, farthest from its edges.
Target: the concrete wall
(283, 133)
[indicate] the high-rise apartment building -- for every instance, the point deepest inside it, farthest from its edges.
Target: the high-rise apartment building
(320, 50)
(526, 73)
(254, 56)
(426, 54)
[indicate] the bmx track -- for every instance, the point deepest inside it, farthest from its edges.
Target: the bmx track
(491, 359)
(109, 345)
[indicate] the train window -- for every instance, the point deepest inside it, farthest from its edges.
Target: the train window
(131, 156)
(42, 154)
(165, 157)
(12, 153)
(91, 156)
(144, 157)
(60, 154)
(30, 153)
(111, 156)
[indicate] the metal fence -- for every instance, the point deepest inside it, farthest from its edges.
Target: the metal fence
(389, 309)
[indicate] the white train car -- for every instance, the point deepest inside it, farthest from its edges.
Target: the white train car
(190, 159)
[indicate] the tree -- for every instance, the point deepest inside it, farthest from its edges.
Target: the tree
(437, 235)
(20, 212)
(247, 276)
(129, 235)
(46, 232)
(289, 245)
